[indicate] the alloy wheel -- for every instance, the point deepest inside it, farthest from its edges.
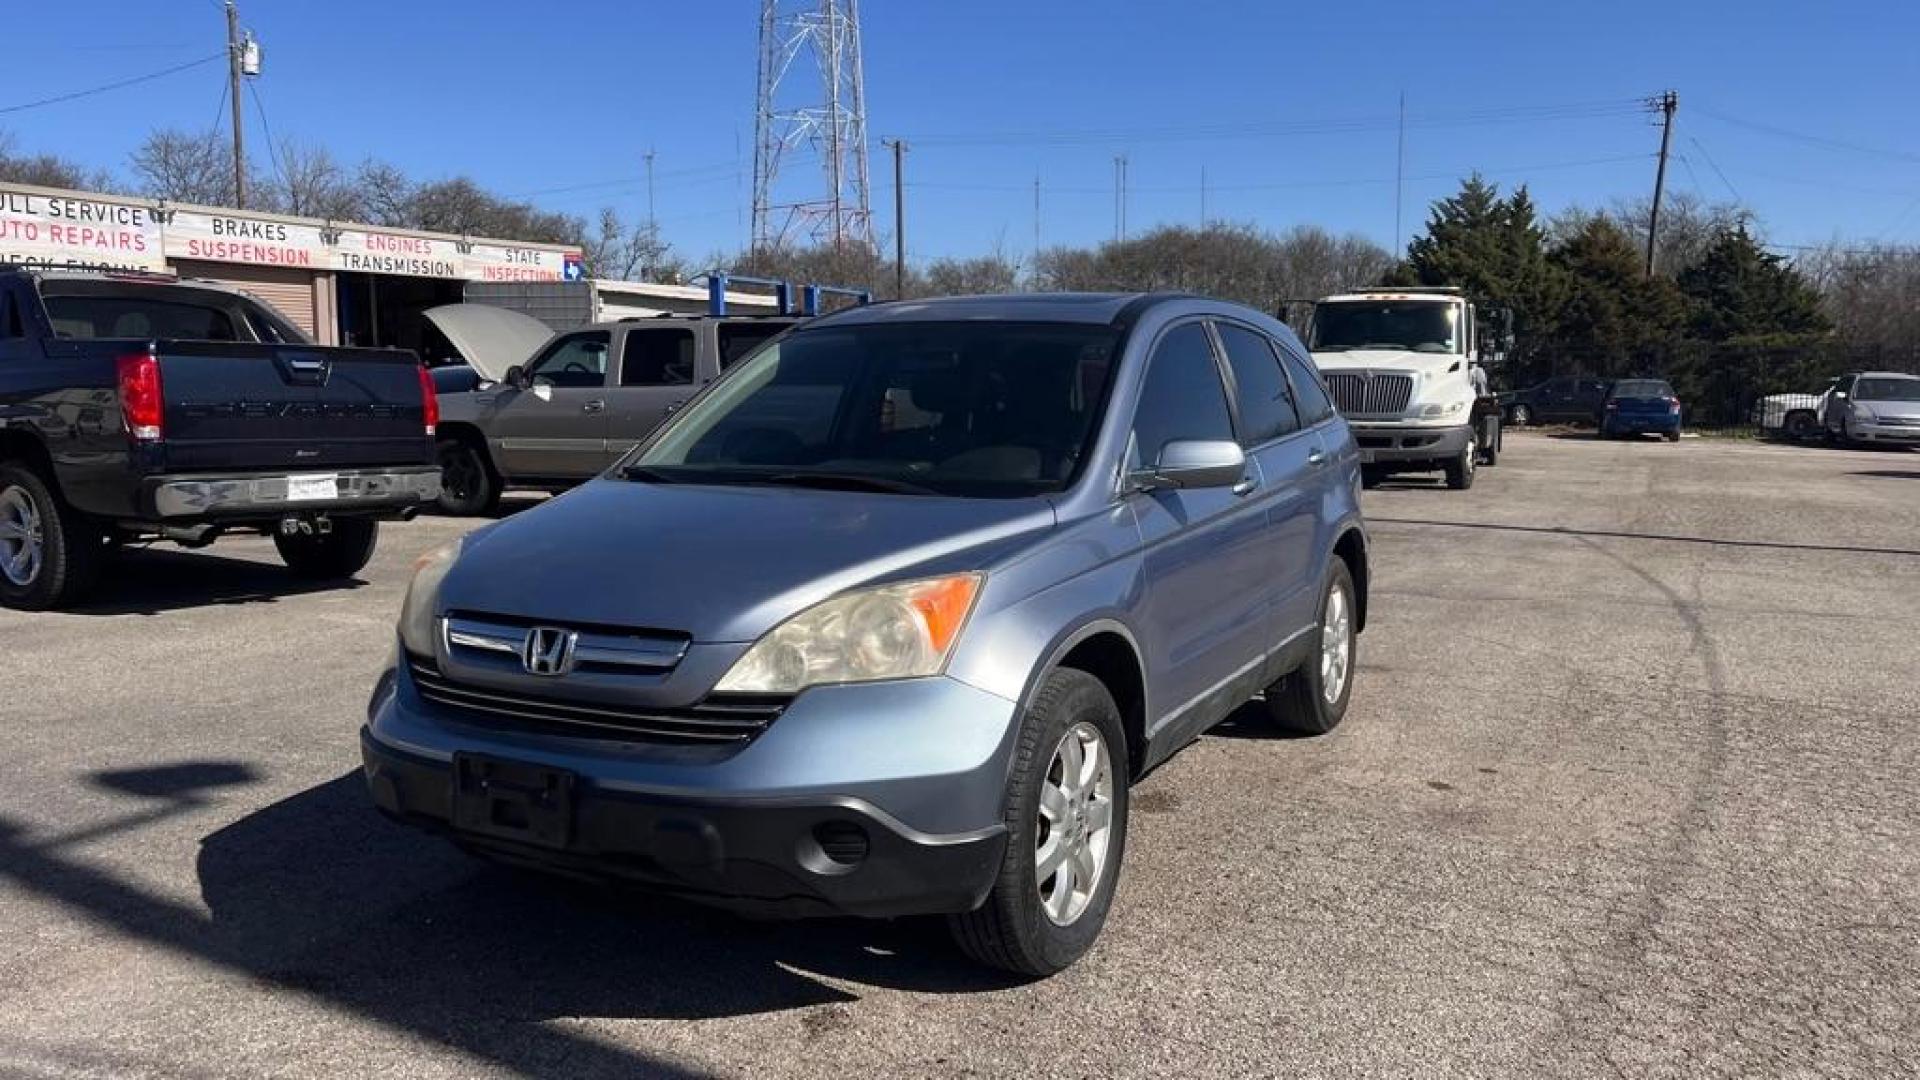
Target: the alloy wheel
(1336, 645)
(1073, 832)
(22, 537)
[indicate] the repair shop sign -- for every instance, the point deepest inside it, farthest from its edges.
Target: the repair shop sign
(505, 262)
(38, 229)
(367, 252)
(231, 238)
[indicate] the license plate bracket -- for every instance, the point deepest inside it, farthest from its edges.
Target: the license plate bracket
(513, 800)
(316, 487)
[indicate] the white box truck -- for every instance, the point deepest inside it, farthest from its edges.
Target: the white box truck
(1405, 368)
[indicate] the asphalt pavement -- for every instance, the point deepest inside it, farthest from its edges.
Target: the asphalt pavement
(1628, 788)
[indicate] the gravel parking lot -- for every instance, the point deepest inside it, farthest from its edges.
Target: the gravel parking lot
(1628, 787)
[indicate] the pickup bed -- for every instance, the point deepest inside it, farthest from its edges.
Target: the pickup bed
(136, 408)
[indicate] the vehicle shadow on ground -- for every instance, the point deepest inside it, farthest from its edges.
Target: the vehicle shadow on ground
(1250, 721)
(509, 505)
(1889, 474)
(320, 896)
(153, 581)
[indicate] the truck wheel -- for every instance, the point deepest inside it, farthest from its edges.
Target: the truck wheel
(1519, 416)
(1800, 425)
(49, 553)
(1460, 470)
(468, 486)
(326, 556)
(1312, 698)
(1066, 817)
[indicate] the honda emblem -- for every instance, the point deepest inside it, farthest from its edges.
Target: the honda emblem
(548, 650)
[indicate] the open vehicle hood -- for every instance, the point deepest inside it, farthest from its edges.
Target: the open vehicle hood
(719, 563)
(492, 339)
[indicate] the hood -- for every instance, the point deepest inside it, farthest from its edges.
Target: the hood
(1388, 360)
(1893, 408)
(492, 339)
(724, 564)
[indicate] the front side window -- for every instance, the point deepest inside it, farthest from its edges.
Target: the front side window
(578, 361)
(658, 356)
(968, 409)
(1182, 397)
(1259, 386)
(1400, 325)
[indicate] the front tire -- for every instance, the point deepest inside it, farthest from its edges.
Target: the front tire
(340, 553)
(1066, 817)
(49, 554)
(1520, 416)
(468, 485)
(1461, 468)
(1312, 698)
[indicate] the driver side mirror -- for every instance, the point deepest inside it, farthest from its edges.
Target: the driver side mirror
(1195, 463)
(516, 377)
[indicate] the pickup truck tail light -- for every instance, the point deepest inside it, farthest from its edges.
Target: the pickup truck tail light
(142, 405)
(1673, 405)
(429, 401)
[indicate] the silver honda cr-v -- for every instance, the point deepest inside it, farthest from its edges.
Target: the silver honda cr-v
(890, 617)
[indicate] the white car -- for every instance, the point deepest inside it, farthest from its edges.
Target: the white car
(1791, 416)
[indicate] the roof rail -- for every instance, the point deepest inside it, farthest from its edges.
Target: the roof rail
(718, 280)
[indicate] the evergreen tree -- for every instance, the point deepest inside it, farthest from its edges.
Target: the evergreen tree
(1613, 320)
(1740, 290)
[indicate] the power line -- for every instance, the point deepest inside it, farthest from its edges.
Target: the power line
(1452, 174)
(1191, 132)
(1813, 140)
(1715, 166)
(273, 149)
(122, 84)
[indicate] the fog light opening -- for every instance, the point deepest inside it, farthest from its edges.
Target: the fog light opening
(844, 843)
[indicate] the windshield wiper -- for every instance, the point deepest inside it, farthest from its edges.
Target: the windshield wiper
(848, 482)
(646, 474)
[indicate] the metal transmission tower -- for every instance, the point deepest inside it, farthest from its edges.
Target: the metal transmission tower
(791, 118)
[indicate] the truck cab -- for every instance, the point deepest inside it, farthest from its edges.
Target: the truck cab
(1400, 364)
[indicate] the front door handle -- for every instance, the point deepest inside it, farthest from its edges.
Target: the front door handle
(595, 405)
(1245, 486)
(1316, 456)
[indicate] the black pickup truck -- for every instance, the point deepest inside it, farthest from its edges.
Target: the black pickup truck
(138, 407)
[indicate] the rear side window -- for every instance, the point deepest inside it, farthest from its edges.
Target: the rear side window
(1309, 394)
(1182, 397)
(739, 339)
(658, 356)
(84, 318)
(1259, 386)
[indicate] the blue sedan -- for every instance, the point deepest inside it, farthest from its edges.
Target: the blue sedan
(1638, 407)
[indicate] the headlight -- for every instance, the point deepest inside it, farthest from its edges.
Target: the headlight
(1442, 410)
(889, 632)
(1861, 412)
(418, 627)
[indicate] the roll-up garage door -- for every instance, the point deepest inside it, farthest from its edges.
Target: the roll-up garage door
(290, 291)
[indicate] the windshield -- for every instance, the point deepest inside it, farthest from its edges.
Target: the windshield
(1641, 388)
(977, 409)
(1413, 325)
(1887, 390)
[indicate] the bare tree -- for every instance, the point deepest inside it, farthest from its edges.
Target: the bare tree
(46, 170)
(1871, 294)
(992, 273)
(1234, 262)
(184, 167)
(613, 250)
(385, 194)
(1689, 224)
(312, 184)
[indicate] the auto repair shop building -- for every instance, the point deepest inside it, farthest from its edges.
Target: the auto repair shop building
(343, 283)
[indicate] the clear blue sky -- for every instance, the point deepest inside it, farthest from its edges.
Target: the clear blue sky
(1287, 107)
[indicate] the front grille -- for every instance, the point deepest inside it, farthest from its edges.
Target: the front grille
(1362, 395)
(711, 723)
(478, 638)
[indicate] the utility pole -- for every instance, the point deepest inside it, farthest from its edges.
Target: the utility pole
(1203, 196)
(653, 223)
(233, 95)
(899, 148)
(1667, 103)
(1036, 213)
(1119, 198)
(1400, 172)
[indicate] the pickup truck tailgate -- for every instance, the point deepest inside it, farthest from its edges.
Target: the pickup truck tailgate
(246, 406)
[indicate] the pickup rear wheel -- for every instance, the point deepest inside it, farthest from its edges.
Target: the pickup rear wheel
(1312, 699)
(468, 486)
(339, 553)
(1066, 818)
(49, 554)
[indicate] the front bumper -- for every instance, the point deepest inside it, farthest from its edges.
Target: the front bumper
(1907, 434)
(879, 800)
(258, 495)
(1415, 447)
